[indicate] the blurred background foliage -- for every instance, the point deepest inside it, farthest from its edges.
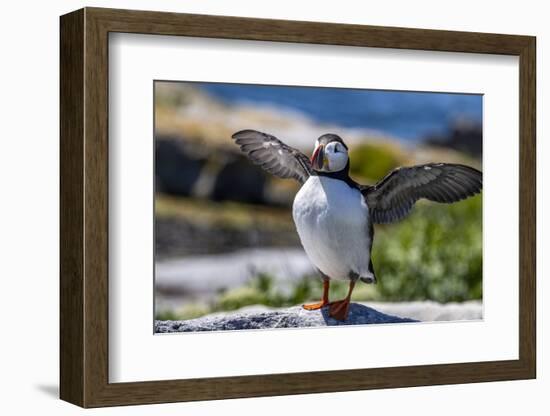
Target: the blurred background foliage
(211, 201)
(373, 161)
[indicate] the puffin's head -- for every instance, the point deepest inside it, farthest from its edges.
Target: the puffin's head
(330, 154)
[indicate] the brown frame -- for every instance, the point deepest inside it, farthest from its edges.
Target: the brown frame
(84, 209)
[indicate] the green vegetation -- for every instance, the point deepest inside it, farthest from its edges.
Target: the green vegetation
(373, 161)
(225, 214)
(435, 253)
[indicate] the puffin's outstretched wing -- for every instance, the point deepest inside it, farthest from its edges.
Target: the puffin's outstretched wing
(392, 198)
(273, 155)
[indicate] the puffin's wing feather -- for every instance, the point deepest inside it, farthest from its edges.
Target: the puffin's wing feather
(273, 155)
(393, 197)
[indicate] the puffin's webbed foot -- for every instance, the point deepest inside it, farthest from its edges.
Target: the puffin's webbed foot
(324, 302)
(339, 309)
(314, 306)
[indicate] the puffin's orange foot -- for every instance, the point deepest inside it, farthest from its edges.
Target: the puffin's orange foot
(339, 310)
(314, 306)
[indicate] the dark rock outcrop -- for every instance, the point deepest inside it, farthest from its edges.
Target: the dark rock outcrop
(464, 135)
(176, 171)
(183, 168)
(293, 317)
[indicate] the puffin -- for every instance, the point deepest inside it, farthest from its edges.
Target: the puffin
(334, 215)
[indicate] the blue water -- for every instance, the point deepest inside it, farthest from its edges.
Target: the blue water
(408, 115)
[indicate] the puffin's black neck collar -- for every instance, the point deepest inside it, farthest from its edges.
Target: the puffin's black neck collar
(342, 175)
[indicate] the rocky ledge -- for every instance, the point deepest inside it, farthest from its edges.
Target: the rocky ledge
(293, 317)
(261, 317)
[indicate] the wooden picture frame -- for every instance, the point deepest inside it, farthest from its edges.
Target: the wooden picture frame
(84, 207)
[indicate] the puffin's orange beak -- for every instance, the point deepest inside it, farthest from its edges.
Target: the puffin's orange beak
(318, 157)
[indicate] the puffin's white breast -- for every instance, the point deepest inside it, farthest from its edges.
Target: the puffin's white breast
(331, 220)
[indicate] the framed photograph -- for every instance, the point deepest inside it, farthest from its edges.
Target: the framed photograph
(255, 207)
